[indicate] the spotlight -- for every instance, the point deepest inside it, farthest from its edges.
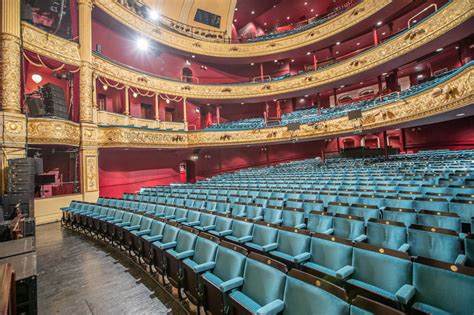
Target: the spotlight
(153, 15)
(142, 44)
(37, 78)
(105, 87)
(439, 49)
(379, 23)
(167, 101)
(135, 94)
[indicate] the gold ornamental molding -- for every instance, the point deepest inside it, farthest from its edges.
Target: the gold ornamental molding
(455, 93)
(446, 19)
(178, 41)
(51, 46)
(53, 131)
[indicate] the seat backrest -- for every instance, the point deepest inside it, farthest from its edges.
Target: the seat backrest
(118, 214)
(127, 217)
(406, 216)
(435, 243)
(157, 228)
(207, 219)
(193, 216)
(292, 243)
(433, 204)
(241, 228)
(463, 207)
(229, 263)
(271, 215)
(185, 241)
(330, 252)
(254, 211)
(399, 202)
(319, 221)
(238, 209)
(205, 250)
(181, 213)
(387, 234)
(170, 234)
(307, 294)
(365, 211)
(223, 224)
(292, 218)
(211, 205)
(384, 268)
(445, 220)
(170, 211)
(262, 282)
(444, 286)
(222, 207)
(263, 235)
(338, 207)
(348, 227)
(145, 223)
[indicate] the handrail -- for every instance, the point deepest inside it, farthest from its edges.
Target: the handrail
(7, 290)
(421, 12)
(262, 78)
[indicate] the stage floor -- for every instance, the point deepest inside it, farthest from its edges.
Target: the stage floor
(77, 275)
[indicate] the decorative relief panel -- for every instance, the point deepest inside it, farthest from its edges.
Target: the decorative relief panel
(453, 15)
(13, 129)
(51, 46)
(52, 131)
(175, 40)
(91, 170)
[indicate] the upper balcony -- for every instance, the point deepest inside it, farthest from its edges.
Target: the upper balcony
(314, 34)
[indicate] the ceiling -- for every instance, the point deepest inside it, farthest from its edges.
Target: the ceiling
(269, 14)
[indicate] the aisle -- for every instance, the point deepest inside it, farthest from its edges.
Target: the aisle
(80, 276)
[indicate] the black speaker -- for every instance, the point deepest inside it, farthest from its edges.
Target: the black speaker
(21, 175)
(26, 202)
(293, 126)
(35, 107)
(354, 114)
(54, 101)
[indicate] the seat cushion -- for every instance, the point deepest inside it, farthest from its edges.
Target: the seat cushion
(373, 288)
(245, 301)
(429, 309)
(282, 255)
(320, 268)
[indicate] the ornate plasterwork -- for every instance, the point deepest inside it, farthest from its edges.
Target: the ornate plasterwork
(45, 44)
(13, 129)
(175, 40)
(10, 60)
(90, 170)
(453, 15)
(53, 131)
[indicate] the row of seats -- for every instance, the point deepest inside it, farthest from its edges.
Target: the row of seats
(315, 115)
(427, 241)
(221, 275)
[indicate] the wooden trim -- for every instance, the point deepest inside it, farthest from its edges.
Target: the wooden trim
(431, 199)
(382, 250)
(387, 222)
(210, 237)
(332, 238)
(348, 216)
(374, 307)
(322, 213)
(320, 283)
(444, 265)
(433, 230)
(406, 210)
(269, 261)
(234, 247)
(340, 204)
(440, 213)
(293, 230)
(362, 206)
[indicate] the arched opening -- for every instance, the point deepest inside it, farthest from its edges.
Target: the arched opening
(187, 75)
(348, 143)
(371, 142)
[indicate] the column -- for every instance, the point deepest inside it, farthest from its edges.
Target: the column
(376, 37)
(319, 103)
(261, 72)
(89, 132)
(85, 51)
(385, 148)
(278, 109)
(157, 107)
(185, 114)
(379, 81)
(335, 96)
(127, 101)
(218, 115)
(10, 89)
(315, 61)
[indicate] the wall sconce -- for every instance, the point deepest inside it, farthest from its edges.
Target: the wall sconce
(37, 78)
(105, 87)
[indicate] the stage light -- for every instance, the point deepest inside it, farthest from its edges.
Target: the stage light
(439, 49)
(142, 43)
(37, 78)
(105, 87)
(167, 101)
(460, 114)
(153, 15)
(379, 23)
(420, 76)
(135, 94)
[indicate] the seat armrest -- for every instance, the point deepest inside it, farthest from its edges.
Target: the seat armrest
(300, 226)
(328, 231)
(193, 223)
(345, 272)
(279, 221)
(155, 238)
(258, 218)
(270, 247)
(204, 267)
(246, 239)
(208, 228)
(273, 307)
(360, 238)
(404, 248)
(134, 227)
(460, 260)
(225, 233)
(185, 254)
(180, 220)
(231, 284)
(405, 293)
(117, 221)
(144, 232)
(168, 245)
(302, 257)
(125, 224)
